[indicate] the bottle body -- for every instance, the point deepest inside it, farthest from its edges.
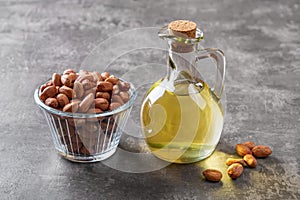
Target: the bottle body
(182, 122)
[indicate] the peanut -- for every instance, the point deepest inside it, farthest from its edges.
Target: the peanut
(114, 80)
(68, 71)
(250, 160)
(86, 103)
(125, 96)
(105, 75)
(101, 103)
(71, 107)
(49, 91)
(242, 149)
(230, 161)
(104, 95)
(212, 175)
(249, 144)
(116, 89)
(113, 106)
(261, 151)
(62, 100)
(87, 84)
(75, 101)
(103, 86)
(67, 80)
(90, 91)
(97, 76)
(86, 76)
(56, 79)
(44, 86)
(52, 102)
(117, 98)
(235, 170)
(67, 91)
(124, 86)
(78, 89)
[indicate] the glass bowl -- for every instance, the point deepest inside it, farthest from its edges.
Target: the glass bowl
(85, 137)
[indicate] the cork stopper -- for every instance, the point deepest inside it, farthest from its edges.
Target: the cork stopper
(183, 28)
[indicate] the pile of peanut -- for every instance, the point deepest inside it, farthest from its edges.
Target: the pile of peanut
(84, 92)
(249, 152)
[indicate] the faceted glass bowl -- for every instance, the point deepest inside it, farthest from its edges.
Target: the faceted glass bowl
(83, 137)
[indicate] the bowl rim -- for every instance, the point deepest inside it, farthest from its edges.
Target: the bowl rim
(122, 108)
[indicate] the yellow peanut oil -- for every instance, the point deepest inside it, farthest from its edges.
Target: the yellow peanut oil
(181, 123)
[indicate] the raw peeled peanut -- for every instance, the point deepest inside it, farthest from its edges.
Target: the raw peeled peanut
(103, 86)
(97, 76)
(62, 100)
(73, 76)
(67, 91)
(114, 80)
(49, 91)
(242, 149)
(52, 102)
(87, 84)
(230, 161)
(261, 151)
(83, 72)
(114, 105)
(86, 76)
(86, 103)
(116, 89)
(71, 107)
(90, 91)
(250, 160)
(78, 89)
(235, 170)
(249, 144)
(104, 95)
(75, 101)
(212, 175)
(101, 103)
(124, 96)
(117, 99)
(124, 86)
(105, 75)
(69, 71)
(44, 86)
(67, 80)
(56, 79)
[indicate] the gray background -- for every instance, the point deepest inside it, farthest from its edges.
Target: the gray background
(261, 42)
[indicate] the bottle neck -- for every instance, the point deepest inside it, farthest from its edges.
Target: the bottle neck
(181, 61)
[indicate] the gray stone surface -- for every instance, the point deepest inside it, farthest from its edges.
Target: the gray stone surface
(261, 42)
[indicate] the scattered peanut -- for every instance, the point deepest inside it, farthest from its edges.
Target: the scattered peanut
(212, 175)
(249, 144)
(230, 161)
(261, 151)
(235, 170)
(242, 149)
(250, 160)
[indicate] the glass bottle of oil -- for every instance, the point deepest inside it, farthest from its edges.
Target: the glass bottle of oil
(181, 115)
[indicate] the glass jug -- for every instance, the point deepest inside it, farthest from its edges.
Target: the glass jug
(181, 115)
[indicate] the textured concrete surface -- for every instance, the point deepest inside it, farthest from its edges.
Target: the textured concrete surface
(261, 42)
